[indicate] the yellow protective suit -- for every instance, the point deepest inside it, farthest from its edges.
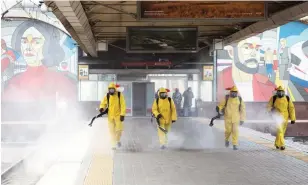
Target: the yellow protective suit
(287, 111)
(116, 108)
(232, 116)
(168, 112)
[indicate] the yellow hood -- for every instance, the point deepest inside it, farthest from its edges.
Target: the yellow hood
(112, 86)
(234, 89)
(162, 90)
(280, 88)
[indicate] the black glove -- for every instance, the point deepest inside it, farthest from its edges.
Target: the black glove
(273, 110)
(173, 121)
(121, 118)
(101, 110)
(217, 109)
(241, 122)
(292, 122)
(159, 116)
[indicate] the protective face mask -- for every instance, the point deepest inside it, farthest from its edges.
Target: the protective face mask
(233, 94)
(163, 95)
(280, 94)
(111, 91)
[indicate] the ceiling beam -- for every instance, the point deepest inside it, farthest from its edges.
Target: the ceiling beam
(113, 3)
(160, 23)
(146, 71)
(123, 29)
(287, 15)
(102, 7)
(110, 17)
(75, 15)
(66, 24)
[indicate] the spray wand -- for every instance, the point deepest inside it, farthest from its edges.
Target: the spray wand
(161, 128)
(97, 116)
(217, 116)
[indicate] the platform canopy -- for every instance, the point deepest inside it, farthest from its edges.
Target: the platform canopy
(90, 22)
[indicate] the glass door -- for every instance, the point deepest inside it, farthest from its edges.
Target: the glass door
(150, 96)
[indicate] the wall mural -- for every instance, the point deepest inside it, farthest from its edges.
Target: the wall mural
(260, 63)
(38, 62)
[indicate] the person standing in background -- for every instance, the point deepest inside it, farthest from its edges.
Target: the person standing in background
(156, 94)
(177, 98)
(188, 96)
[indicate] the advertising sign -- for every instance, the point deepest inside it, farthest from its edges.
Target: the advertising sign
(208, 73)
(202, 10)
(83, 72)
(162, 39)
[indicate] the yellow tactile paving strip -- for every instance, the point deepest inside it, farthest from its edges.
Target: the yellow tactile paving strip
(100, 171)
(289, 151)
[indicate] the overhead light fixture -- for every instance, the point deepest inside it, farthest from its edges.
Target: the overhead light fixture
(304, 18)
(44, 8)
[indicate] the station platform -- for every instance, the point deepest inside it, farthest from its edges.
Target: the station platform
(75, 154)
(195, 155)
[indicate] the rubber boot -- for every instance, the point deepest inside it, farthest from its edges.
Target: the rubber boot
(235, 147)
(227, 144)
(282, 148)
(119, 144)
(162, 147)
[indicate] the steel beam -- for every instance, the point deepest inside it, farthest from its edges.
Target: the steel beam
(144, 71)
(134, 15)
(66, 24)
(75, 15)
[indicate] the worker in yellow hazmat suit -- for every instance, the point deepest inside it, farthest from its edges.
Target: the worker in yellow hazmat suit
(164, 111)
(282, 105)
(234, 112)
(115, 102)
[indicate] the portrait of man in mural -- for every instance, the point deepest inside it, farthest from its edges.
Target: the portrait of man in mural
(39, 45)
(260, 63)
(244, 71)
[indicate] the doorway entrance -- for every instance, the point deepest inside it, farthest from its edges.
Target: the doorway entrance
(143, 97)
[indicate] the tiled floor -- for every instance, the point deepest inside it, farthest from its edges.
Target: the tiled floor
(196, 155)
